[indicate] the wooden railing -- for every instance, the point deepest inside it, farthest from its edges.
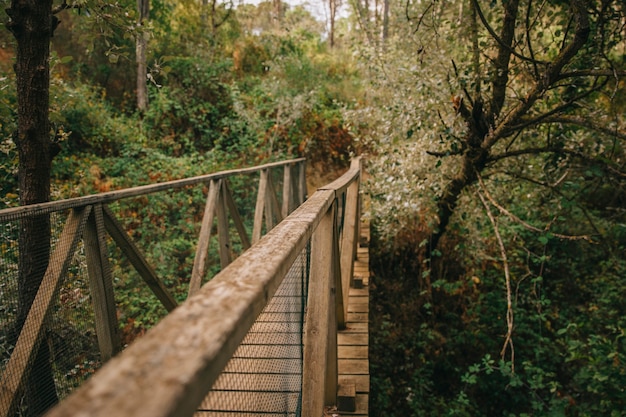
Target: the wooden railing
(91, 220)
(168, 371)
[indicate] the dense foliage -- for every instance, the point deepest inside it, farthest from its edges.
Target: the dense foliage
(497, 193)
(494, 133)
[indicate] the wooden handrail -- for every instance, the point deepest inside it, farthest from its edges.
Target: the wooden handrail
(168, 371)
(108, 197)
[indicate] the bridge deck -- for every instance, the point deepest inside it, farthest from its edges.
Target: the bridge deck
(354, 341)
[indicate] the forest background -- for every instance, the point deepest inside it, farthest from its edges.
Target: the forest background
(494, 134)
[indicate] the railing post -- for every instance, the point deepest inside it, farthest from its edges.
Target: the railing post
(319, 374)
(302, 191)
(200, 262)
(101, 285)
(349, 238)
(266, 203)
(223, 229)
(287, 191)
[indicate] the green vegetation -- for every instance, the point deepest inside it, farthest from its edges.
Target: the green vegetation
(495, 138)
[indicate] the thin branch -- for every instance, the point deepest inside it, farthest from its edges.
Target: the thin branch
(528, 41)
(591, 73)
(522, 222)
(559, 109)
(586, 123)
(550, 75)
(508, 340)
(500, 41)
(439, 154)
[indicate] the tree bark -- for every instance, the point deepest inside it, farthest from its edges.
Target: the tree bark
(32, 23)
(141, 44)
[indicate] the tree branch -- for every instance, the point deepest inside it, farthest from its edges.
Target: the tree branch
(550, 75)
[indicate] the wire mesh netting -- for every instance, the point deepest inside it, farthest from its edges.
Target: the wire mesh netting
(264, 376)
(42, 361)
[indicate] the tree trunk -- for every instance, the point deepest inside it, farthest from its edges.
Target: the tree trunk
(332, 6)
(385, 32)
(32, 24)
(472, 164)
(141, 44)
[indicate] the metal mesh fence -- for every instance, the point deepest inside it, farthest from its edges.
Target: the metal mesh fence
(56, 355)
(264, 376)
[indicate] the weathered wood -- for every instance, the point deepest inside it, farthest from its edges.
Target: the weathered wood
(302, 190)
(318, 382)
(272, 209)
(201, 260)
(355, 339)
(346, 397)
(354, 366)
(362, 382)
(18, 367)
(288, 192)
(146, 272)
(223, 231)
(168, 371)
(105, 198)
(352, 352)
(101, 285)
(259, 210)
(234, 214)
(349, 236)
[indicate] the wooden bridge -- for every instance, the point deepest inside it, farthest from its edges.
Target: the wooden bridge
(281, 330)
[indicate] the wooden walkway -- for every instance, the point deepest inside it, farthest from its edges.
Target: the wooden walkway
(264, 378)
(353, 342)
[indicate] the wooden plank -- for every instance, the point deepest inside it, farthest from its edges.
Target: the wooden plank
(146, 272)
(101, 285)
(352, 352)
(17, 369)
(259, 210)
(288, 200)
(358, 317)
(359, 307)
(223, 231)
(349, 240)
(201, 260)
(356, 327)
(353, 339)
(362, 382)
(360, 292)
(354, 366)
